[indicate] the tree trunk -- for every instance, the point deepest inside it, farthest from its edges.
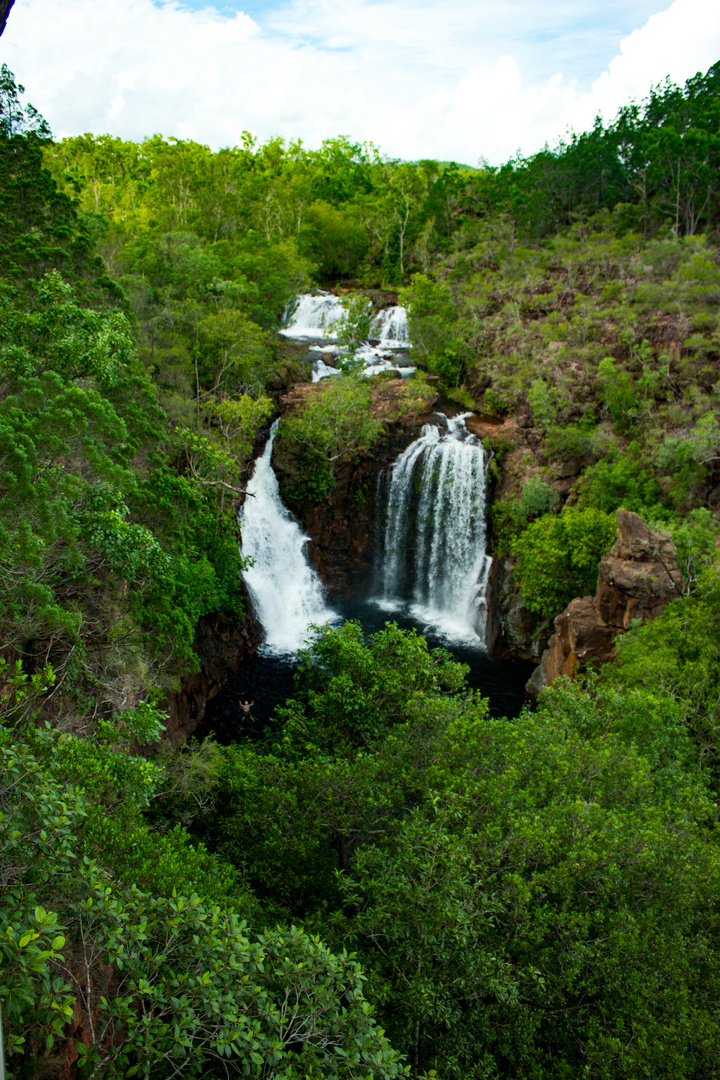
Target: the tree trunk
(5, 6)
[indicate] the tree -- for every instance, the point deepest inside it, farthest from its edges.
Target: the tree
(341, 767)
(14, 119)
(558, 557)
(334, 425)
(5, 6)
(433, 327)
(536, 913)
(159, 984)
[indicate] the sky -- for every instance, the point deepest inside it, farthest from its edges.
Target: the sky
(462, 80)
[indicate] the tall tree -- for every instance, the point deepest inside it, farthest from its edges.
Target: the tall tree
(5, 6)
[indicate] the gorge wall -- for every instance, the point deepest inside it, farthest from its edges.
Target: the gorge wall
(221, 648)
(341, 526)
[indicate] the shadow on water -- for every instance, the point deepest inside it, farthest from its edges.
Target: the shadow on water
(267, 680)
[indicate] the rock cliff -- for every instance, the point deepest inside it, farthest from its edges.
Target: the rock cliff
(341, 526)
(220, 647)
(637, 579)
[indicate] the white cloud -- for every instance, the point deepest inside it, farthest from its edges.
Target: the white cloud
(417, 79)
(677, 42)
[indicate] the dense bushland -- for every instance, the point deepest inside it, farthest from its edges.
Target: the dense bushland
(390, 882)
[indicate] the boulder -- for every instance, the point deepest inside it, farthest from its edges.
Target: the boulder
(640, 575)
(637, 579)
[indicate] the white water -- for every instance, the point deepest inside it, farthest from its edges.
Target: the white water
(391, 328)
(286, 592)
(434, 563)
(315, 318)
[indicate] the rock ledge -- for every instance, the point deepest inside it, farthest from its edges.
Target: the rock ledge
(637, 579)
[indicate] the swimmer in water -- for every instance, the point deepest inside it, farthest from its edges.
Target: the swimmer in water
(246, 706)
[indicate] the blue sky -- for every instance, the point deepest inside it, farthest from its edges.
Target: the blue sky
(462, 79)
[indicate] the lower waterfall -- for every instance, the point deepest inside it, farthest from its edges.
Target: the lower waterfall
(433, 559)
(286, 592)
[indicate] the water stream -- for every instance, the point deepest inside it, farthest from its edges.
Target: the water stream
(432, 574)
(315, 319)
(433, 563)
(286, 592)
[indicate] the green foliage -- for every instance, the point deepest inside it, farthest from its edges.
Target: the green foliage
(351, 689)
(677, 656)
(512, 516)
(558, 557)
(571, 441)
(334, 425)
(14, 118)
(532, 899)
(510, 923)
(616, 482)
(544, 402)
(688, 456)
(433, 327)
(618, 394)
(341, 766)
(333, 238)
(190, 985)
(59, 335)
(696, 540)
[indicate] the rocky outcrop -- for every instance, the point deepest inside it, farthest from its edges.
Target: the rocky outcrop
(637, 579)
(512, 630)
(640, 575)
(220, 647)
(342, 526)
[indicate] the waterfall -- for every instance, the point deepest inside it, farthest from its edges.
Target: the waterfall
(433, 560)
(314, 317)
(391, 328)
(286, 592)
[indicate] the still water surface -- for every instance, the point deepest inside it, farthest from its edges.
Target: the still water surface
(267, 680)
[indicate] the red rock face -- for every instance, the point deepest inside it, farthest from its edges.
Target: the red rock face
(220, 648)
(341, 527)
(637, 579)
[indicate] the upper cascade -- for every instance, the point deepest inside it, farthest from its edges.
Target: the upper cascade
(391, 328)
(315, 319)
(433, 558)
(286, 592)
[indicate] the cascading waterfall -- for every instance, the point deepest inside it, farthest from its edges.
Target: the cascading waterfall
(390, 328)
(286, 592)
(434, 561)
(315, 318)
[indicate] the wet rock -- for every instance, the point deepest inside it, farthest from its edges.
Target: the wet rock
(341, 527)
(220, 647)
(517, 631)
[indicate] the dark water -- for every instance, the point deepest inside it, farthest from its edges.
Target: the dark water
(267, 681)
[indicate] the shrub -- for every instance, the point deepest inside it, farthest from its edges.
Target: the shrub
(558, 557)
(537, 497)
(334, 425)
(621, 481)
